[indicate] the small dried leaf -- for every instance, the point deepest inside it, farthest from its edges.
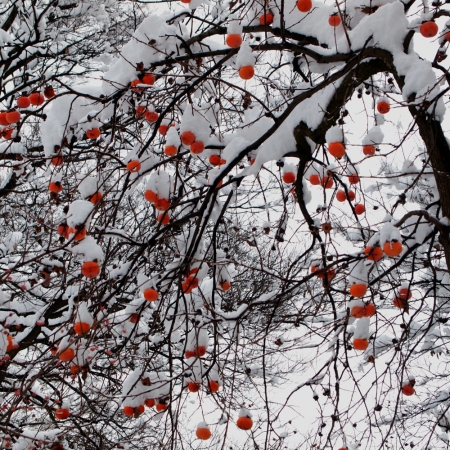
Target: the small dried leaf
(326, 227)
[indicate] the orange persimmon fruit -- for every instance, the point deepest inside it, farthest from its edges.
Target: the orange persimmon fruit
(358, 290)
(369, 150)
(289, 177)
(393, 248)
(187, 138)
(266, 19)
(373, 253)
(314, 180)
(55, 187)
(23, 102)
(151, 295)
(170, 150)
(134, 166)
(62, 414)
(203, 433)
(383, 107)
(304, 5)
(67, 355)
(408, 390)
(234, 40)
(336, 149)
(359, 209)
(334, 20)
(429, 29)
(36, 99)
(197, 147)
(93, 133)
(81, 328)
(193, 387)
(244, 423)
(360, 344)
(246, 72)
(90, 269)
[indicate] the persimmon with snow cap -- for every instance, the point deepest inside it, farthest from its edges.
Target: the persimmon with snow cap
(327, 182)
(13, 117)
(36, 98)
(150, 196)
(170, 150)
(162, 204)
(408, 390)
(67, 355)
(96, 198)
(244, 421)
(134, 166)
(197, 147)
(369, 150)
(353, 179)
(187, 138)
(358, 290)
(81, 328)
(149, 79)
(200, 351)
(266, 19)
(225, 285)
(163, 218)
(360, 209)
(193, 387)
(383, 107)
(360, 344)
(203, 432)
(23, 102)
(213, 386)
(341, 196)
(358, 311)
(314, 180)
(336, 149)
(55, 187)
(429, 29)
(151, 116)
(404, 294)
(49, 92)
(334, 20)
(304, 5)
(234, 40)
(161, 406)
(246, 72)
(289, 177)
(214, 160)
(79, 233)
(392, 248)
(62, 414)
(90, 269)
(151, 295)
(135, 83)
(93, 133)
(374, 253)
(57, 161)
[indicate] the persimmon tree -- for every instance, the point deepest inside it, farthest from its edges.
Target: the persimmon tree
(224, 225)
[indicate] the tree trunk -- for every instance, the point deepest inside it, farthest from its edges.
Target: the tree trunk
(439, 152)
